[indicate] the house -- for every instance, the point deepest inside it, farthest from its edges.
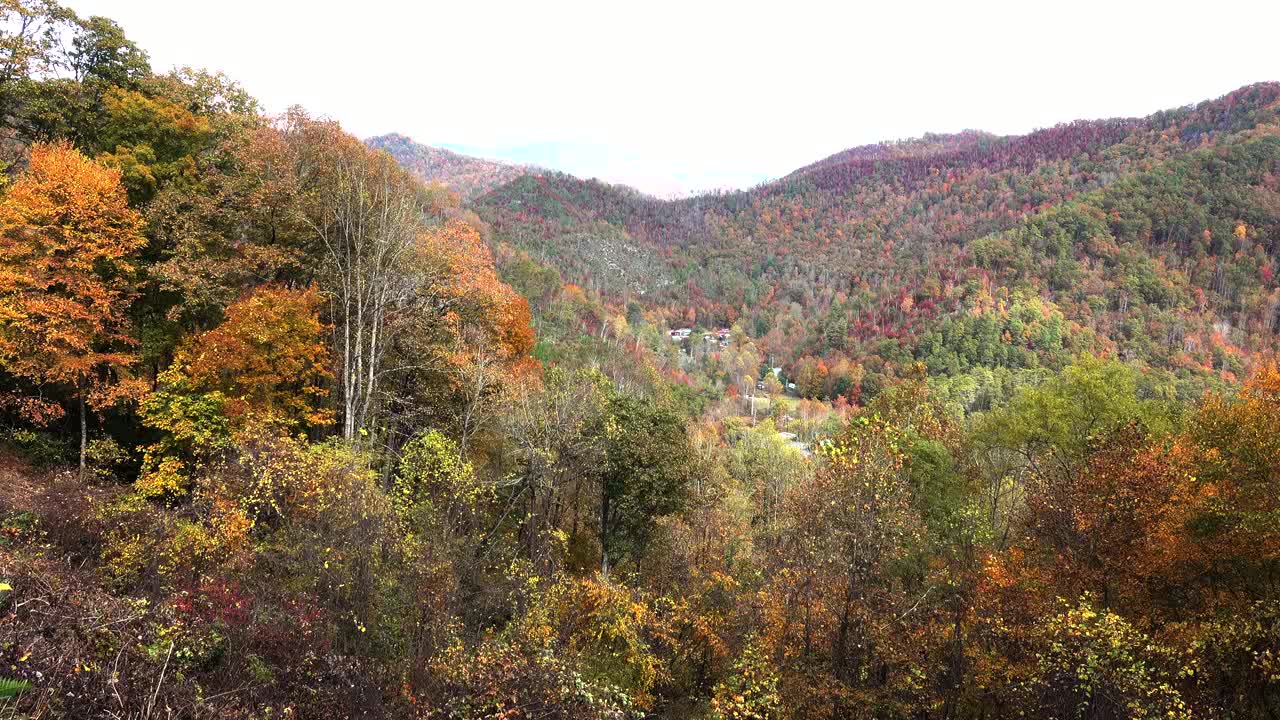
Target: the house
(680, 334)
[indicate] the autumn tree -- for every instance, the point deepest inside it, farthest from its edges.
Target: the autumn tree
(1119, 529)
(853, 522)
(461, 337)
(265, 368)
(1043, 438)
(151, 140)
(269, 359)
(772, 385)
(1241, 470)
(811, 378)
(858, 590)
(442, 507)
(68, 243)
(234, 226)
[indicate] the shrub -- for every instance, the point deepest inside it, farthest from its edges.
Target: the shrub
(40, 449)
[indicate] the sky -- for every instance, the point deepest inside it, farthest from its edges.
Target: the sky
(674, 97)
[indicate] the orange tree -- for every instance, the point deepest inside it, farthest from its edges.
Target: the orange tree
(68, 241)
(460, 339)
(268, 358)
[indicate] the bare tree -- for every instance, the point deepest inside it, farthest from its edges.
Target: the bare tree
(366, 213)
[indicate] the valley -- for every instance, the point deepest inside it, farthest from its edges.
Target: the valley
(299, 425)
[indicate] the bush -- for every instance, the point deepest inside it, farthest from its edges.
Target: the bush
(106, 458)
(750, 692)
(1097, 663)
(41, 449)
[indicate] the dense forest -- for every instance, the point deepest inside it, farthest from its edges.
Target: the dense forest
(958, 427)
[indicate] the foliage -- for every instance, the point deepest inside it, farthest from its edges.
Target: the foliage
(965, 251)
(750, 692)
(10, 687)
(40, 448)
(645, 474)
(952, 427)
(1097, 665)
(67, 246)
(268, 359)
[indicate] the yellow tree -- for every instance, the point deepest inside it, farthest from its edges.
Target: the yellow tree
(67, 244)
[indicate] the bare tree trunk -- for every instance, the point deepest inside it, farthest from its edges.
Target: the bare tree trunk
(604, 534)
(84, 431)
(367, 219)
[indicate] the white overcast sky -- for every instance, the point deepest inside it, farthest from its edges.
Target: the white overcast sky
(673, 97)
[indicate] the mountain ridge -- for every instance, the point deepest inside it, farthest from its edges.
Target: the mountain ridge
(468, 175)
(945, 145)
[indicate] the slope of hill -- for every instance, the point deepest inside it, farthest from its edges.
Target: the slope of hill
(1153, 237)
(468, 176)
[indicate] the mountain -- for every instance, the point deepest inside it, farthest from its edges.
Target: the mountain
(1153, 238)
(468, 176)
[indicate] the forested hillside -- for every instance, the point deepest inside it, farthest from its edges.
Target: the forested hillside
(465, 175)
(1153, 238)
(965, 427)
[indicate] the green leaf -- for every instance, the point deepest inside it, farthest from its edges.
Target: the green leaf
(10, 688)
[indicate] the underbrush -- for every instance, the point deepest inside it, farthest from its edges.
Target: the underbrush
(88, 644)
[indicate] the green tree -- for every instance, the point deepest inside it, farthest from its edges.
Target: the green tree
(644, 476)
(100, 51)
(1050, 427)
(30, 33)
(761, 459)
